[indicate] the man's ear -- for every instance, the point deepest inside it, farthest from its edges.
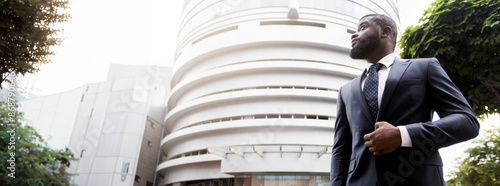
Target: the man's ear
(385, 32)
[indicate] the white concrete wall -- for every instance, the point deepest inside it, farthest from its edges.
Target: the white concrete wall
(53, 116)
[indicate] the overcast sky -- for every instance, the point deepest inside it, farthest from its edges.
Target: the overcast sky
(144, 32)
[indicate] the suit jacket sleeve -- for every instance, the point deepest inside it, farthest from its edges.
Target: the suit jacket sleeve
(341, 151)
(457, 121)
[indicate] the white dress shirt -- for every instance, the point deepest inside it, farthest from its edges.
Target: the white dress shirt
(383, 73)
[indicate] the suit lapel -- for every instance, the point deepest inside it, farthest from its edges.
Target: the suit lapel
(359, 99)
(397, 70)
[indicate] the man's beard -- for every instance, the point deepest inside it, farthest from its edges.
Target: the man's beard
(365, 46)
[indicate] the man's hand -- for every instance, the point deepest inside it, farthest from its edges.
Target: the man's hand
(385, 139)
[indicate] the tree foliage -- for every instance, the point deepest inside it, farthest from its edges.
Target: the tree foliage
(482, 166)
(465, 36)
(35, 162)
(28, 28)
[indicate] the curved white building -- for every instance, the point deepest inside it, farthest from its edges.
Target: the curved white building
(254, 90)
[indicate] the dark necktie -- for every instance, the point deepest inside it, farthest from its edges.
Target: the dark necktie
(370, 89)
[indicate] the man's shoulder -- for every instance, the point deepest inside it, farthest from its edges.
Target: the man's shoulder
(420, 60)
(348, 85)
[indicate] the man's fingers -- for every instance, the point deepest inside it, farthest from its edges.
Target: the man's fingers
(379, 141)
(366, 137)
(376, 151)
(380, 124)
(372, 149)
(368, 144)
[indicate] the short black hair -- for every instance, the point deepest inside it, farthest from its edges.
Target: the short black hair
(384, 21)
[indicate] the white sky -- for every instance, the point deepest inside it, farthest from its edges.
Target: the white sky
(102, 32)
(144, 32)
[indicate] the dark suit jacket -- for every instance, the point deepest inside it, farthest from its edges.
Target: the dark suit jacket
(414, 89)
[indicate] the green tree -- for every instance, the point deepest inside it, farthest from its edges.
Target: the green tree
(28, 28)
(35, 163)
(482, 166)
(464, 35)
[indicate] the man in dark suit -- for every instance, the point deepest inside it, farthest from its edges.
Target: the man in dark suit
(384, 133)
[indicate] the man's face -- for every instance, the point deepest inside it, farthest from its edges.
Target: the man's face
(365, 40)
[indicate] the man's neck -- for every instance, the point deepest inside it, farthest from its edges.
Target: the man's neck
(377, 56)
(380, 52)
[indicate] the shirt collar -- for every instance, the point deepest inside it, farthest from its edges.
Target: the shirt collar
(386, 61)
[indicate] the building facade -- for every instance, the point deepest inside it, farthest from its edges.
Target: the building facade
(254, 88)
(113, 128)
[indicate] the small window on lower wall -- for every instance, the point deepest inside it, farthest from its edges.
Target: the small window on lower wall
(323, 117)
(260, 116)
(299, 116)
(311, 117)
(272, 116)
